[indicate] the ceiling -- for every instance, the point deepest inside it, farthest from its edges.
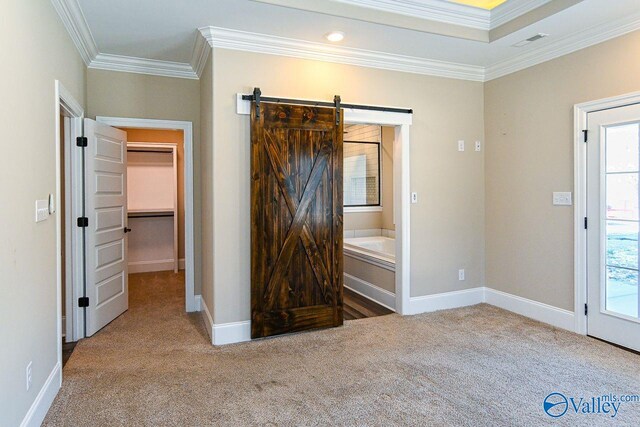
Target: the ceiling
(436, 37)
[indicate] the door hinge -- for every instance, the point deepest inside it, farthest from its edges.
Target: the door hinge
(83, 221)
(586, 135)
(585, 223)
(82, 141)
(83, 302)
(586, 309)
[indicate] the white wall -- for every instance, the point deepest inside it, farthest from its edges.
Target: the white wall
(35, 50)
(447, 226)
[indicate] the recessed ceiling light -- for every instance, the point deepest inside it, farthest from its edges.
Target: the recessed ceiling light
(335, 36)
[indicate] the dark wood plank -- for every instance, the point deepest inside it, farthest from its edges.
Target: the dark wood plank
(360, 307)
(296, 274)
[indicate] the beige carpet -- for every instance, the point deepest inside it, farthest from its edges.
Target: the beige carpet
(155, 366)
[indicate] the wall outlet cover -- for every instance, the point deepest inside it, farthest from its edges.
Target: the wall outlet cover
(461, 145)
(562, 198)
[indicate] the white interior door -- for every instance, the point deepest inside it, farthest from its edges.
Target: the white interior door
(106, 238)
(613, 165)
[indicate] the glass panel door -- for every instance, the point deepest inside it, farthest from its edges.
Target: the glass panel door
(621, 172)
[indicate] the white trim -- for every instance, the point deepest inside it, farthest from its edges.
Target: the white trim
(510, 10)
(230, 333)
(358, 209)
(207, 317)
(387, 263)
(189, 172)
(446, 300)
(74, 21)
(580, 112)
(40, 406)
(66, 104)
(427, 10)
(225, 38)
(370, 291)
(545, 313)
(200, 54)
(564, 46)
(198, 302)
(128, 64)
(432, 10)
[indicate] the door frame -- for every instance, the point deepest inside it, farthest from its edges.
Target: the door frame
(580, 112)
(192, 301)
(401, 122)
(66, 104)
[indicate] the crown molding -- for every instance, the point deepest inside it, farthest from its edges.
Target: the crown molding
(564, 46)
(273, 45)
(200, 54)
(433, 10)
(104, 61)
(74, 21)
(513, 9)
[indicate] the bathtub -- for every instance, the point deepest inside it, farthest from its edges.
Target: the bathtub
(377, 250)
(370, 268)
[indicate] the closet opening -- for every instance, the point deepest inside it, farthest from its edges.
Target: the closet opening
(155, 216)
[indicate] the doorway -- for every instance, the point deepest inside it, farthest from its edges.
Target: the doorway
(613, 165)
(611, 171)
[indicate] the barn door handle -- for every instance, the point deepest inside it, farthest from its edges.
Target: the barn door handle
(127, 230)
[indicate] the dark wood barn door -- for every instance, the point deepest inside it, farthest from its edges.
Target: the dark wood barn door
(296, 219)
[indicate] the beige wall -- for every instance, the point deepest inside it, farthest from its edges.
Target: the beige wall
(206, 166)
(111, 93)
(529, 154)
(447, 225)
(35, 50)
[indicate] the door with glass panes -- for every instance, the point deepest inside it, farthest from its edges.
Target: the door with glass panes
(613, 169)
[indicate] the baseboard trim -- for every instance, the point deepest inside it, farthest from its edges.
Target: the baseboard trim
(370, 291)
(208, 319)
(155, 265)
(445, 301)
(234, 332)
(44, 399)
(198, 303)
(541, 312)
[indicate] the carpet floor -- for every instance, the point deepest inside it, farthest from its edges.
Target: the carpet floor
(474, 366)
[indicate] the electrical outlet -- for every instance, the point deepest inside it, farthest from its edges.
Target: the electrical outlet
(461, 274)
(461, 145)
(478, 146)
(414, 197)
(29, 375)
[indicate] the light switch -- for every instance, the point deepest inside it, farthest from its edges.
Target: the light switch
(562, 199)
(42, 210)
(461, 145)
(478, 146)
(414, 197)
